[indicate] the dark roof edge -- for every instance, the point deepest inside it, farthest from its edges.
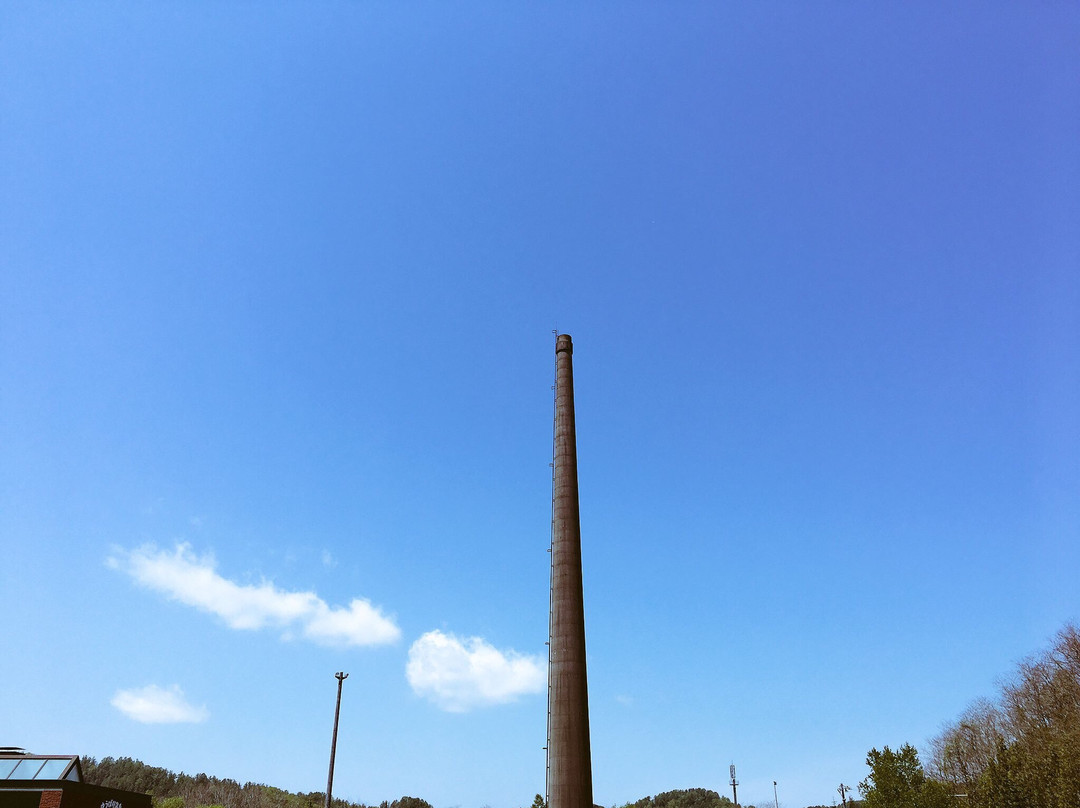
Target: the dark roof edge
(69, 785)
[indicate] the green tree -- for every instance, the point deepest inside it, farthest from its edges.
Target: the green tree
(897, 780)
(684, 798)
(410, 802)
(690, 798)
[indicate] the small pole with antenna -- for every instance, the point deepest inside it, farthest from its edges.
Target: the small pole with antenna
(843, 792)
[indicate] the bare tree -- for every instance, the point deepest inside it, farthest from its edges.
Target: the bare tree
(964, 750)
(1025, 750)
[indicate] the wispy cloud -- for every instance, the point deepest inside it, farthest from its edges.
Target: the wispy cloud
(158, 705)
(460, 674)
(182, 576)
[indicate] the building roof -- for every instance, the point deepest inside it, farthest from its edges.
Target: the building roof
(17, 764)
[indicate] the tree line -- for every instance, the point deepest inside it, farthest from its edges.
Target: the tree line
(684, 798)
(171, 790)
(1021, 750)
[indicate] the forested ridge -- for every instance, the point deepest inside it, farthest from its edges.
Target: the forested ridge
(171, 790)
(703, 798)
(690, 798)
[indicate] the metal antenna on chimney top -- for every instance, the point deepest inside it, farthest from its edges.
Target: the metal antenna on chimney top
(734, 786)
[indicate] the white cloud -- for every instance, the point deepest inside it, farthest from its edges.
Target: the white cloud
(158, 705)
(361, 621)
(193, 581)
(460, 674)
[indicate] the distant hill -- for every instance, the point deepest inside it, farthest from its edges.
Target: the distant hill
(171, 790)
(692, 798)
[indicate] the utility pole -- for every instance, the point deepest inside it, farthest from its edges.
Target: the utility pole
(341, 677)
(843, 792)
(775, 799)
(734, 786)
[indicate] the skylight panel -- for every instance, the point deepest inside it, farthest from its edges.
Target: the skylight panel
(26, 769)
(53, 769)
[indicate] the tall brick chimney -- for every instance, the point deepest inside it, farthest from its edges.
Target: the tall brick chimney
(569, 760)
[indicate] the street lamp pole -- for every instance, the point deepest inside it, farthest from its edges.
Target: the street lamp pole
(341, 677)
(776, 800)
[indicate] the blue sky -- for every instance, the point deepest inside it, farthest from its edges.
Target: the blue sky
(277, 291)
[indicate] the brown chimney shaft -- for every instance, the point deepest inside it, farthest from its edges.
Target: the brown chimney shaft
(569, 760)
